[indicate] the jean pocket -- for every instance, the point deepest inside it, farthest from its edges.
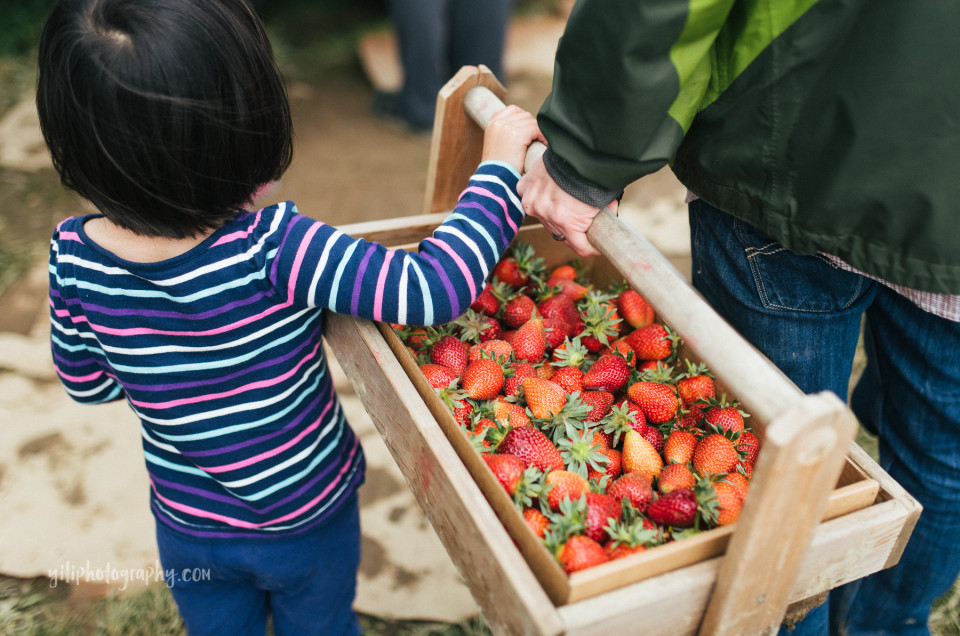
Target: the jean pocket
(788, 281)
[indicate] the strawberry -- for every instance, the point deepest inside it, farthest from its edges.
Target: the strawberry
(486, 302)
(621, 419)
(601, 401)
(559, 306)
(600, 327)
(570, 288)
(621, 348)
(725, 416)
(609, 373)
(438, 375)
(483, 379)
(749, 446)
(556, 331)
(581, 552)
(475, 327)
(729, 503)
(508, 271)
(674, 476)
(512, 413)
(677, 508)
(521, 370)
(634, 309)
(497, 349)
(653, 342)
(640, 456)
(481, 431)
(537, 521)
(601, 510)
(581, 452)
(517, 268)
(715, 454)
(532, 446)
(544, 397)
(507, 468)
(545, 371)
(530, 341)
(633, 487)
(450, 352)
(739, 482)
(678, 447)
(658, 401)
(564, 484)
(653, 435)
(696, 384)
(565, 271)
(613, 468)
(570, 378)
(518, 310)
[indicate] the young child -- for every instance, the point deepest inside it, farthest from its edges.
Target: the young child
(208, 319)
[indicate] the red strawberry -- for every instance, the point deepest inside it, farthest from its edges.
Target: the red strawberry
(696, 384)
(521, 370)
(581, 552)
(483, 379)
(565, 271)
(634, 309)
(601, 508)
(601, 401)
(570, 288)
(635, 487)
(510, 413)
(508, 271)
(640, 420)
(613, 469)
(609, 373)
(559, 306)
(497, 349)
(749, 445)
(537, 521)
(725, 417)
(674, 476)
(729, 503)
(438, 375)
(518, 310)
(740, 483)
(677, 508)
(556, 331)
(653, 435)
(570, 378)
(715, 454)
(653, 342)
(532, 446)
(564, 484)
(678, 447)
(530, 341)
(451, 353)
(486, 302)
(508, 469)
(544, 397)
(658, 401)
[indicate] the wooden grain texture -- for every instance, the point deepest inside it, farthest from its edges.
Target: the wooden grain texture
(511, 599)
(457, 141)
(800, 461)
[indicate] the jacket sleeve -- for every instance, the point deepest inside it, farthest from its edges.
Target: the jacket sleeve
(323, 267)
(629, 77)
(76, 353)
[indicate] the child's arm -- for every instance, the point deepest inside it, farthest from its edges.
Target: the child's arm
(435, 284)
(76, 351)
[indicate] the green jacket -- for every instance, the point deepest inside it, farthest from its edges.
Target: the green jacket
(831, 125)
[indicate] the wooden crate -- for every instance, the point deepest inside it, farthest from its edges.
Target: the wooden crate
(820, 512)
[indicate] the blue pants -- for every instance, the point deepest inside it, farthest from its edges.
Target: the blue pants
(805, 315)
(436, 38)
(307, 583)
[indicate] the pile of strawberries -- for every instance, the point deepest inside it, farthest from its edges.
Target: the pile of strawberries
(580, 407)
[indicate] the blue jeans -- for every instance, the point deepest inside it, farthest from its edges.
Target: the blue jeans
(805, 315)
(307, 583)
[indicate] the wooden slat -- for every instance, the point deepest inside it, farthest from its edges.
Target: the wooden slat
(457, 141)
(509, 595)
(802, 457)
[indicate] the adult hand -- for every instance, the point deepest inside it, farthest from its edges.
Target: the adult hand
(562, 214)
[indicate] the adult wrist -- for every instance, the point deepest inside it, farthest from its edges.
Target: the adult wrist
(573, 184)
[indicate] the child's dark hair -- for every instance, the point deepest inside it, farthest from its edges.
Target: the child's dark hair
(166, 114)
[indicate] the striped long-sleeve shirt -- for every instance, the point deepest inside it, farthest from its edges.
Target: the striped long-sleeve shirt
(219, 350)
